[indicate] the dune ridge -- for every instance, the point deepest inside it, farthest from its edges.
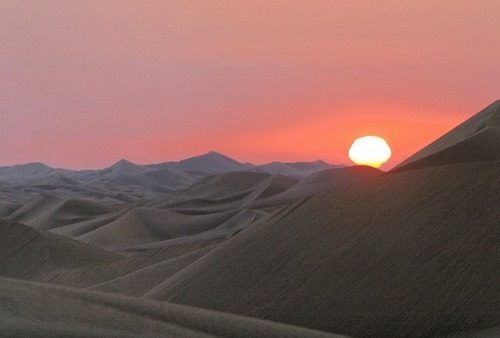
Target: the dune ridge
(476, 139)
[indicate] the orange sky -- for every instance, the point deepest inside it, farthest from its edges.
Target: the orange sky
(85, 83)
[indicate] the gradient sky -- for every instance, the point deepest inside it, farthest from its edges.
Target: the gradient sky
(85, 83)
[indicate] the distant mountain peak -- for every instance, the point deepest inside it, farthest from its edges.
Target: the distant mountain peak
(35, 165)
(124, 167)
(123, 162)
(211, 162)
(212, 152)
(215, 154)
(476, 139)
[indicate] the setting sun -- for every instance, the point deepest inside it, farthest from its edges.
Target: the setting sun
(370, 150)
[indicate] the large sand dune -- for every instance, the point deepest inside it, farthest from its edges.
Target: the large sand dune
(477, 139)
(246, 250)
(33, 254)
(412, 254)
(41, 310)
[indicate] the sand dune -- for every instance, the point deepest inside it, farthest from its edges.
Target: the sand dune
(24, 252)
(224, 230)
(385, 261)
(341, 180)
(410, 253)
(204, 211)
(47, 213)
(477, 139)
(141, 281)
(349, 250)
(31, 254)
(62, 312)
(297, 169)
(226, 186)
(143, 226)
(7, 208)
(136, 261)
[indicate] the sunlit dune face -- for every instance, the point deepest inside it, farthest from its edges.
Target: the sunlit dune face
(370, 150)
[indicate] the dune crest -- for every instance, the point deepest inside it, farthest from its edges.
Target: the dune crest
(476, 139)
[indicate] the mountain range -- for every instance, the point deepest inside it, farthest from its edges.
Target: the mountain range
(139, 181)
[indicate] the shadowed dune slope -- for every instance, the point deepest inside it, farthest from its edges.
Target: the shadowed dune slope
(69, 254)
(28, 253)
(477, 139)
(342, 176)
(142, 280)
(226, 229)
(7, 208)
(144, 226)
(228, 191)
(231, 185)
(410, 254)
(49, 212)
(23, 252)
(135, 262)
(297, 169)
(339, 179)
(215, 207)
(63, 312)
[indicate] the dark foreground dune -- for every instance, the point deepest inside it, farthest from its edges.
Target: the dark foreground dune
(413, 252)
(42, 310)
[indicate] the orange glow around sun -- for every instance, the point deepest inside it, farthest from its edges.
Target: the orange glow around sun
(370, 150)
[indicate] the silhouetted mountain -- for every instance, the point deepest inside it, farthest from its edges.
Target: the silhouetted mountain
(169, 175)
(125, 182)
(124, 167)
(211, 162)
(25, 172)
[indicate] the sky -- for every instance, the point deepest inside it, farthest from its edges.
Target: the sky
(84, 83)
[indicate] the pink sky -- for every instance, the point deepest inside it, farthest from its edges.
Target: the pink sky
(85, 83)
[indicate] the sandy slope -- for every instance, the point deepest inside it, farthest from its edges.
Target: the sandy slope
(28, 253)
(138, 282)
(412, 254)
(131, 264)
(50, 212)
(41, 310)
(347, 271)
(477, 139)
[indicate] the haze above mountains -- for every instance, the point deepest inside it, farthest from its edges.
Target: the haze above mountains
(210, 246)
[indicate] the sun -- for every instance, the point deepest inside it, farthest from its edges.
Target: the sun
(370, 150)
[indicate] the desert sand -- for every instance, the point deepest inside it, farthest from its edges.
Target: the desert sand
(210, 246)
